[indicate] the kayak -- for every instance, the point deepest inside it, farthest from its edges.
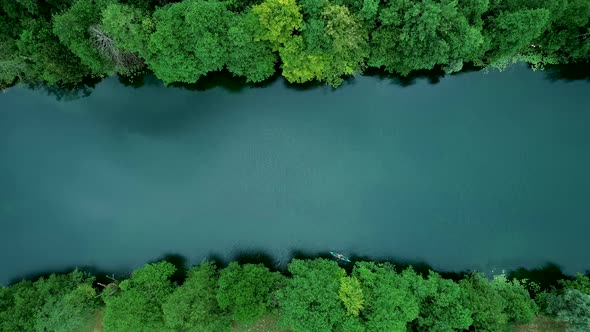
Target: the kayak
(342, 257)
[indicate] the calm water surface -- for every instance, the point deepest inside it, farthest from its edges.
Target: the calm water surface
(480, 171)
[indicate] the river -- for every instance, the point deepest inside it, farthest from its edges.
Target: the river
(478, 171)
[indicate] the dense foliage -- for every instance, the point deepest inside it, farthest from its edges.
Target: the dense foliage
(61, 42)
(313, 295)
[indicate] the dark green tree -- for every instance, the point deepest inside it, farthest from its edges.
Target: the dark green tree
(193, 306)
(138, 305)
(30, 306)
(190, 40)
(580, 283)
(441, 304)
(79, 29)
(519, 307)
(510, 34)
(485, 303)
(247, 291)
(420, 35)
(12, 66)
(310, 301)
(249, 56)
(44, 58)
(74, 311)
(390, 303)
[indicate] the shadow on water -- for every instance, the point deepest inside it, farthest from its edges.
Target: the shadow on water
(432, 76)
(225, 80)
(68, 92)
(571, 72)
(137, 80)
(235, 84)
(546, 276)
(100, 274)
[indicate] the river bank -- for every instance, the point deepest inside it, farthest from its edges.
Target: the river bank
(312, 294)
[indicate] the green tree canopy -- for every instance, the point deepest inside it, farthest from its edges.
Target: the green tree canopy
(571, 306)
(420, 35)
(278, 19)
(510, 34)
(130, 27)
(581, 283)
(310, 299)
(485, 303)
(44, 58)
(519, 307)
(193, 306)
(247, 291)
(75, 311)
(138, 306)
(332, 45)
(74, 27)
(249, 56)
(351, 294)
(190, 40)
(390, 303)
(12, 66)
(441, 305)
(30, 306)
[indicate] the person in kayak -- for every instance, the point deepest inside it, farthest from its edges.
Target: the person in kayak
(339, 257)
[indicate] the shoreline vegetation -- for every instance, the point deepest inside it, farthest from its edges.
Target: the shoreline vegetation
(63, 43)
(312, 294)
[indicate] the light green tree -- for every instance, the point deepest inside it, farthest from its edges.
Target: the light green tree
(278, 19)
(130, 27)
(351, 295)
(332, 45)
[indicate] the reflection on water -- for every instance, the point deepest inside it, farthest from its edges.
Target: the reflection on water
(226, 80)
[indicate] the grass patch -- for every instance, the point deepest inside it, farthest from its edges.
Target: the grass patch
(268, 323)
(542, 324)
(97, 322)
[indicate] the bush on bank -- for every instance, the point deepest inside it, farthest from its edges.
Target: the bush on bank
(314, 295)
(60, 42)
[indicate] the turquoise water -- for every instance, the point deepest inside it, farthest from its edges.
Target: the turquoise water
(479, 171)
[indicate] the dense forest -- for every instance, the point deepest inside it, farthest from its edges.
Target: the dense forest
(314, 295)
(61, 42)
